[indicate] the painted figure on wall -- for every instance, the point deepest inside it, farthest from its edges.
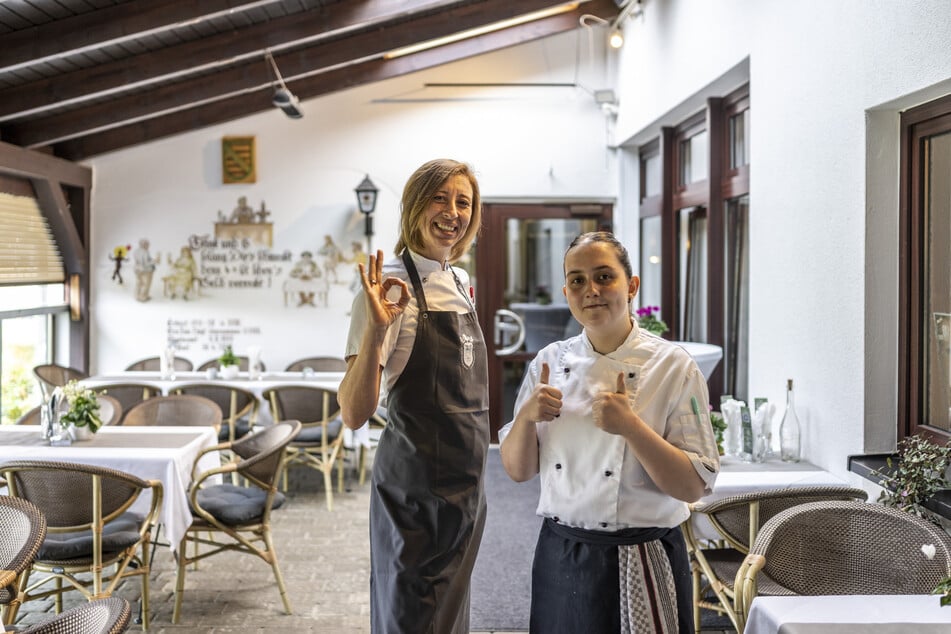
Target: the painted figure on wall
(330, 256)
(119, 255)
(357, 256)
(144, 269)
(307, 281)
(183, 281)
(243, 212)
(245, 224)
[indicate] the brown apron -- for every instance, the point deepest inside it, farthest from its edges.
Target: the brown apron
(427, 503)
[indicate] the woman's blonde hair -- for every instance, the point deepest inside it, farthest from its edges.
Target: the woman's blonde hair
(418, 193)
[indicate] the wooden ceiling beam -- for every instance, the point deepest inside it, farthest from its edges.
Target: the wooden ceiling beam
(115, 23)
(316, 85)
(244, 78)
(88, 83)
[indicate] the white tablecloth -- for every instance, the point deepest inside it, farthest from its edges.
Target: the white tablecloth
(141, 452)
(738, 477)
(892, 614)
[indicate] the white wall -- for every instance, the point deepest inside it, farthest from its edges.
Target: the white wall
(535, 143)
(817, 72)
(827, 80)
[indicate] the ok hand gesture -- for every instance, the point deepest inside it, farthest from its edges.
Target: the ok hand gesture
(380, 310)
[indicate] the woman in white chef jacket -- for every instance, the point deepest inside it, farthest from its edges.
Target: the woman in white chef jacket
(615, 422)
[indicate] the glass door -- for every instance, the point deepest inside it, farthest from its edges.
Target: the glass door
(520, 278)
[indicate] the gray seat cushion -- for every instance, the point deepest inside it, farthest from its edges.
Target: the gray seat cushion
(315, 434)
(117, 535)
(233, 505)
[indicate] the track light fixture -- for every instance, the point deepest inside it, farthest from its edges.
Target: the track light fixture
(615, 36)
(283, 97)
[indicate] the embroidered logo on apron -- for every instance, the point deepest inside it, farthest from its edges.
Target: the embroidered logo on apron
(466, 350)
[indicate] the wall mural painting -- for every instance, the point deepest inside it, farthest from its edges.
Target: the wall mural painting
(119, 255)
(240, 256)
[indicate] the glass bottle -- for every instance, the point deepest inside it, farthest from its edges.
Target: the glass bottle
(789, 431)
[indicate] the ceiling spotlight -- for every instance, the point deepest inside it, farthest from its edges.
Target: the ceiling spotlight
(616, 39)
(283, 97)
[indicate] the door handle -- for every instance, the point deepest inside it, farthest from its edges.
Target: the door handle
(508, 325)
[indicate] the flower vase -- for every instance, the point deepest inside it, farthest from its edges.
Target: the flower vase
(80, 433)
(229, 371)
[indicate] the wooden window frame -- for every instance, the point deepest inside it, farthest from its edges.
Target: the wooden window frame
(916, 124)
(723, 183)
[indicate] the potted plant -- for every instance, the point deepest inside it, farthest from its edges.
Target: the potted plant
(229, 363)
(648, 318)
(919, 474)
(719, 426)
(82, 417)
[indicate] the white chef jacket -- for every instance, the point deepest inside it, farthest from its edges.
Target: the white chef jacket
(590, 478)
(442, 294)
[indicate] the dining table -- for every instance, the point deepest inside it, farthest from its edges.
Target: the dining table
(737, 477)
(849, 614)
(166, 454)
(257, 384)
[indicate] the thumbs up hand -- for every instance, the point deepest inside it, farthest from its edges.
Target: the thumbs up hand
(612, 410)
(544, 404)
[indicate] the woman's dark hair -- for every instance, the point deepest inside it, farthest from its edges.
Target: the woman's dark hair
(608, 237)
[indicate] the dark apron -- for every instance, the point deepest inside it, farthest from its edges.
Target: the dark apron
(427, 503)
(575, 578)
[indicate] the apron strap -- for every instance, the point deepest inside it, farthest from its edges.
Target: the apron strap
(417, 284)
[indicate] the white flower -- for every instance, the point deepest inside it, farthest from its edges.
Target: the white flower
(928, 550)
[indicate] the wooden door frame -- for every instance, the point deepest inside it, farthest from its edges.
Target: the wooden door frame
(489, 279)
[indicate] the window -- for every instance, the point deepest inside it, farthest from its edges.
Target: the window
(35, 324)
(694, 224)
(28, 320)
(925, 272)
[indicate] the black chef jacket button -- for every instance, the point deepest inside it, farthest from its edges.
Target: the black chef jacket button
(607, 474)
(556, 519)
(630, 375)
(604, 524)
(558, 465)
(567, 370)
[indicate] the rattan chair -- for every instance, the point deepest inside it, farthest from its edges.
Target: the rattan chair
(22, 531)
(318, 364)
(128, 394)
(51, 376)
(737, 520)
(93, 541)
(336, 364)
(186, 410)
(110, 409)
(101, 616)
(240, 516)
(321, 438)
(31, 417)
(837, 547)
(239, 407)
(154, 364)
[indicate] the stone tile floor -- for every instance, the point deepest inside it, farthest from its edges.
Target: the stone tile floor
(324, 556)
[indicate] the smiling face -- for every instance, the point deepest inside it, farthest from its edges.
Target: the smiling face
(445, 218)
(599, 293)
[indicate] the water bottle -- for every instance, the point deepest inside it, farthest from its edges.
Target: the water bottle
(790, 449)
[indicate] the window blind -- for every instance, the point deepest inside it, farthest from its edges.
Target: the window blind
(28, 251)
